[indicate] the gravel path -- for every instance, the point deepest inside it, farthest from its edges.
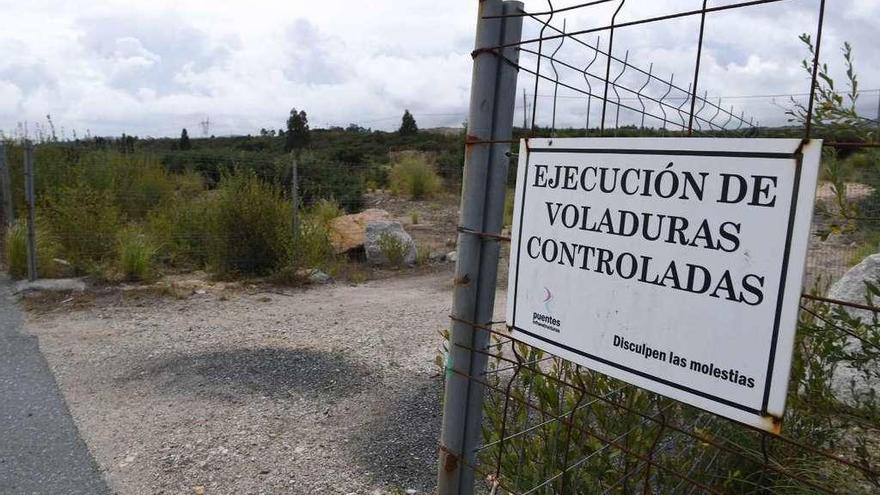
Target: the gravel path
(327, 390)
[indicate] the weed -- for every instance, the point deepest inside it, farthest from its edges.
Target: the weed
(412, 174)
(313, 248)
(423, 255)
(252, 227)
(325, 210)
(135, 254)
(358, 276)
(16, 251)
(85, 222)
(184, 230)
(393, 248)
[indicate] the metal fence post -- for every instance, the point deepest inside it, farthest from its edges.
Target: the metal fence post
(31, 213)
(6, 188)
(493, 98)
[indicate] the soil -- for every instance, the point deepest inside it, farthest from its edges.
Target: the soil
(223, 388)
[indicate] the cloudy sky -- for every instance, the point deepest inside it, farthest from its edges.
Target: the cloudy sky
(152, 67)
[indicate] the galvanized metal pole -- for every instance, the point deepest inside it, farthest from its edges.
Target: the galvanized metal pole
(31, 210)
(493, 98)
(294, 196)
(6, 188)
(493, 222)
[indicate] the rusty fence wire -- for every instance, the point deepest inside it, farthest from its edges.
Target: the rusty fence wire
(552, 427)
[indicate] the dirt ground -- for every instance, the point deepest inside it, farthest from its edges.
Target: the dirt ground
(432, 223)
(240, 390)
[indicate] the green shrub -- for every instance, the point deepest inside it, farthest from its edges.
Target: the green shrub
(313, 248)
(16, 251)
(393, 248)
(184, 230)
(325, 210)
(252, 226)
(140, 184)
(135, 254)
(413, 175)
(85, 222)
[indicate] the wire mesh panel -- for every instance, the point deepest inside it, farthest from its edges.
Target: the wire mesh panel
(550, 426)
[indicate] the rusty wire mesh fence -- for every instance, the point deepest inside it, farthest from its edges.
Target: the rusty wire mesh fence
(550, 426)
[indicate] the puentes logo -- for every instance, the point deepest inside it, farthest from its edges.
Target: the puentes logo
(545, 320)
(548, 296)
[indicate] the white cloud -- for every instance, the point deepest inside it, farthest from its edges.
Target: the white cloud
(150, 68)
(10, 98)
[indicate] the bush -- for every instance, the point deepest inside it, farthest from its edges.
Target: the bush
(85, 222)
(16, 251)
(313, 248)
(183, 230)
(140, 184)
(325, 210)
(135, 254)
(393, 248)
(252, 226)
(412, 174)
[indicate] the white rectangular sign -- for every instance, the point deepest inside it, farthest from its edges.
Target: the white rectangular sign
(674, 264)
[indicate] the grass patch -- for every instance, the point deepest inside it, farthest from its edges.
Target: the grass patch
(16, 251)
(136, 254)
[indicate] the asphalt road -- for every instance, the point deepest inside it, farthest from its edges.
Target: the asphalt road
(41, 451)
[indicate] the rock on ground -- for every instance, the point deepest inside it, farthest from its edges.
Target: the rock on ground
(314, 276)
(377, 236)
(851, 288)
(349, 231)
(50, 285)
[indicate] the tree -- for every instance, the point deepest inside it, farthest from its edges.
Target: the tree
(297, 131)
(184, 143)
(408, 125)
